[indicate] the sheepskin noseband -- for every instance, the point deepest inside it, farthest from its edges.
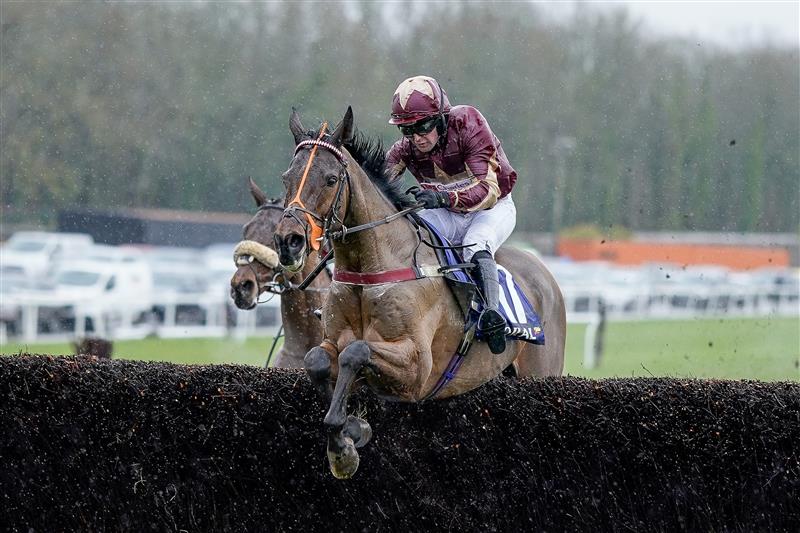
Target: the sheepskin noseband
(246, 251)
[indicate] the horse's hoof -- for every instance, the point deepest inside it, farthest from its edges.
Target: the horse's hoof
(359, 430)
(344, 463)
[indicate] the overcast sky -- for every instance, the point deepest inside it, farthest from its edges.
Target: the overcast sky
(721, 22)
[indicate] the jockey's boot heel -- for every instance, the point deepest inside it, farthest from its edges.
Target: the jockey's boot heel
(491, 323)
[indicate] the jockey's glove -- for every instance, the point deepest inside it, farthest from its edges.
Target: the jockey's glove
(432, 199)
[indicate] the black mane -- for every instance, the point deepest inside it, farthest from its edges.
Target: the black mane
(370, 154)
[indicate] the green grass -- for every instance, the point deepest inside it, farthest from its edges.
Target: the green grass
(252, 351)
(767, 349)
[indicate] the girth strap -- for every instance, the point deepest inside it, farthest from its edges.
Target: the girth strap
(455, 362)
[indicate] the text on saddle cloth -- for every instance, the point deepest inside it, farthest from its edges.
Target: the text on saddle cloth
(522, 321)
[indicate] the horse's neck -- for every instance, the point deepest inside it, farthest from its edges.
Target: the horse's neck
(384, 247)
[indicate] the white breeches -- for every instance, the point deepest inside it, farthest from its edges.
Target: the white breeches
(487, 229)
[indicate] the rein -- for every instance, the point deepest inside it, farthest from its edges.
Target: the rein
(345, 231)
(356, 278)
(370, 278)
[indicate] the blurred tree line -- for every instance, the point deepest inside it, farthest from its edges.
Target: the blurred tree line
(172, 105)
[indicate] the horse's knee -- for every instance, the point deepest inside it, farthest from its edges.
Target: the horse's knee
(318, 364)
(355, 356)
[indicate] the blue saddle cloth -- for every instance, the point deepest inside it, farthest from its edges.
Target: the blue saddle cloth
(522, 322)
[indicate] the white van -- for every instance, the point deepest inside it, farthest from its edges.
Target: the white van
(35, 254)
(107, 299)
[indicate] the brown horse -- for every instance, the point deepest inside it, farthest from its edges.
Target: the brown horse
(399, 337)
(258, 271)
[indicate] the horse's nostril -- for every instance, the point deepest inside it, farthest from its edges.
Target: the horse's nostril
(246, 286)
(295, 241)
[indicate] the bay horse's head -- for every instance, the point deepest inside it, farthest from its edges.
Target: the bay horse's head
(315, 184)
(256, 262)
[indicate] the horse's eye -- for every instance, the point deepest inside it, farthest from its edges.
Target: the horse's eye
(332, 180)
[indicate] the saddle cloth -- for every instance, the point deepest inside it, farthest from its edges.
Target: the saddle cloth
(522, 322)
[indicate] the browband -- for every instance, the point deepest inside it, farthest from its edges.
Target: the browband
(328, 146)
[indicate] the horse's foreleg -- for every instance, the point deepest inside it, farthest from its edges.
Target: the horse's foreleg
(346, 433)
(351, 361)
(318, 365)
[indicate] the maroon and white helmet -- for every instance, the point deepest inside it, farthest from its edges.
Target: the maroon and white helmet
(418, 98)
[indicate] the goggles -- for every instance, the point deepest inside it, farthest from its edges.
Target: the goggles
(422, 127)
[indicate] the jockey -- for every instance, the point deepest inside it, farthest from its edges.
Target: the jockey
(465, 181)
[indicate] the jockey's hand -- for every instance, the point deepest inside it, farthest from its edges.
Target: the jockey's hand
(432, 199)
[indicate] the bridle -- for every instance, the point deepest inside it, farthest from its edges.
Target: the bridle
(247, 253)
(314, 233)
(326, 232)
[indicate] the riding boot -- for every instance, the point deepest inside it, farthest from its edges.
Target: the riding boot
(491, 323)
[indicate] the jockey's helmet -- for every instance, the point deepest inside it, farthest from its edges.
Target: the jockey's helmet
(418, 98)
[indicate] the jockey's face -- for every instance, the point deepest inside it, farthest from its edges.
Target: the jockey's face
(425, 143)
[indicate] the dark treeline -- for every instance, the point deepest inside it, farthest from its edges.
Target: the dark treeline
(174, 104)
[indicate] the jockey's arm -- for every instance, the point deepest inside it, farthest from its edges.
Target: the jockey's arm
(480, 157)
(394, 163)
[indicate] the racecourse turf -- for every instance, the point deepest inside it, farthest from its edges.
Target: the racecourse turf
(766, 349)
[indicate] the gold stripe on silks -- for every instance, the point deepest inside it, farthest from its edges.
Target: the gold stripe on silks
(396, 170)
(494, 188)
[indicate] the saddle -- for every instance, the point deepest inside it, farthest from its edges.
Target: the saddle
(522, 321)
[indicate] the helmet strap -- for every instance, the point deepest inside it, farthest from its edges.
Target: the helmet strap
(441, 128)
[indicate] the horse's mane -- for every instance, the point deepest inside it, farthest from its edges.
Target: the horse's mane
(370, 154)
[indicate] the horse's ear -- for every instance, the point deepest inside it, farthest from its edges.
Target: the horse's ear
(296, 127)
(258, 194)
(344, 131)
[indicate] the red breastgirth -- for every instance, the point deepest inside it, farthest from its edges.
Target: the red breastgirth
(375, 278)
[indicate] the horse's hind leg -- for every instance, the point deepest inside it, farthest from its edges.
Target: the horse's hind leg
(541, 361)
(318, 366)
(346, 433)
